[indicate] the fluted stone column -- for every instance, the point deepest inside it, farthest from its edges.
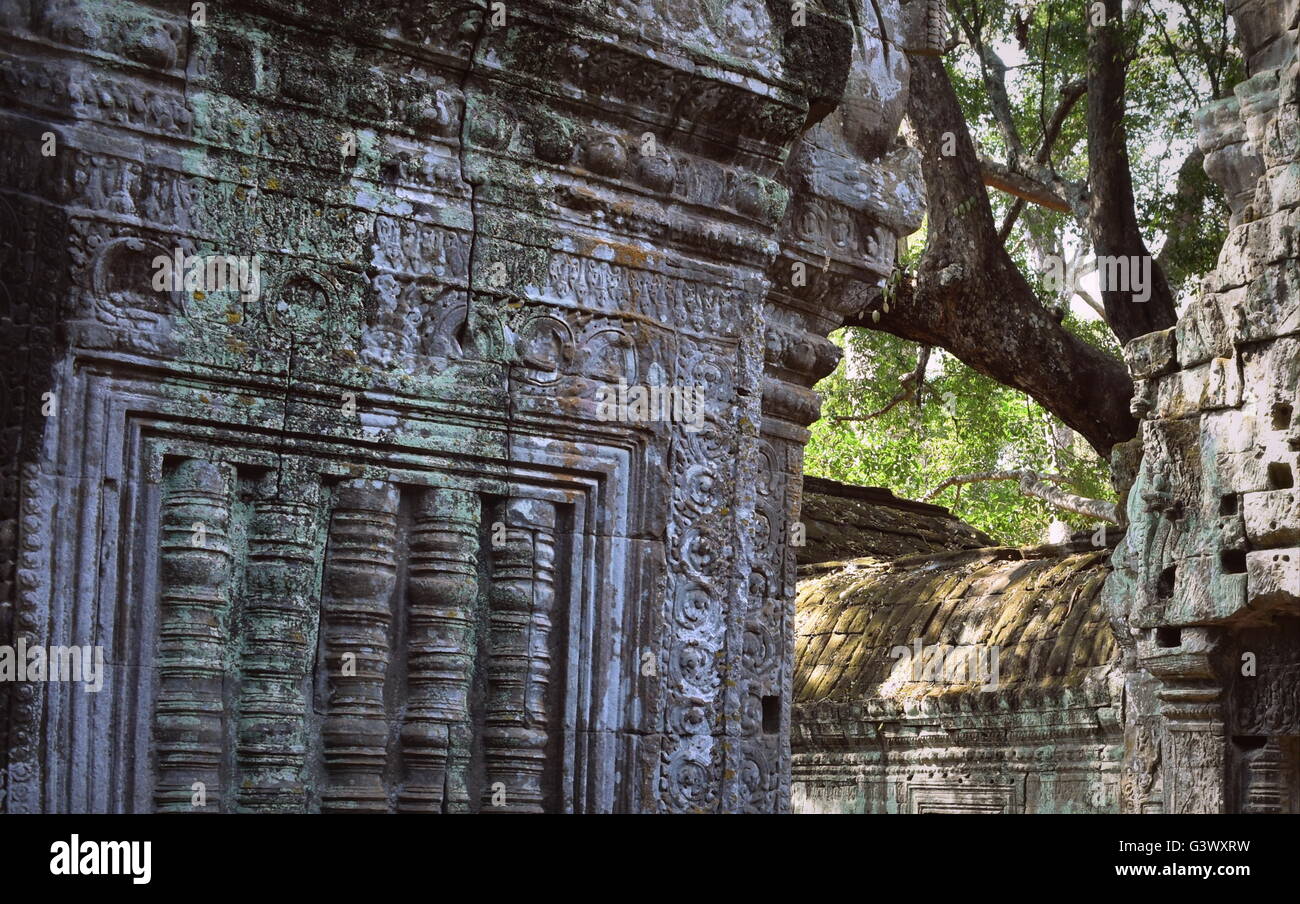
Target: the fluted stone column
(356, 614)
(193, 637)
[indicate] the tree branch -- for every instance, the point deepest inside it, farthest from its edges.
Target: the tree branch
(970, 297)
(1039, 486)
(1003, 178)
(1070, 95)
(910, 388)
(1112, 215)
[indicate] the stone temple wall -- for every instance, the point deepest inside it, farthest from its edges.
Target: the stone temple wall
(359, 535)
(1205, 596)
(843, 521)
(968, 681)
(1194, 704)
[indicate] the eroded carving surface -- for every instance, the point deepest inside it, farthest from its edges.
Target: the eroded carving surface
(365, 538)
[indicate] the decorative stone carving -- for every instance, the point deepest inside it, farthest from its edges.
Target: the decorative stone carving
(443, 593)
(279, 616)
(356, 616)
(465, 231)
(193, 633)
(1206, 588)
(519, 706)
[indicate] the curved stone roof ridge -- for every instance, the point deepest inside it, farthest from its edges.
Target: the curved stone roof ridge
(846, 521)
(1038, 607)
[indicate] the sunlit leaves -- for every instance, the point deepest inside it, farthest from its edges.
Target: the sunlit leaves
(966, 423)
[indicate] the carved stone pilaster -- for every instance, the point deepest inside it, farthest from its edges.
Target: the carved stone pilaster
(360, 576)
(519, 659)
(1191, 708)
(279, 644)
(193, 634)
(442, 592)
(1264, 789)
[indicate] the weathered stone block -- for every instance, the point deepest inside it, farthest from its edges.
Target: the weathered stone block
(1271, 307)
(1210, 386)
(1152, 354)
(1274, 577)
(1204, 590)
(1203, 332)
(1272, 518)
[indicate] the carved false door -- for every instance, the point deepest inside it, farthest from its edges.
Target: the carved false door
(361, 647)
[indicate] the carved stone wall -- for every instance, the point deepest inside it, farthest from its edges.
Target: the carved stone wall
(842, 521)
(968, 681)
(361, 538)
(1205, 596)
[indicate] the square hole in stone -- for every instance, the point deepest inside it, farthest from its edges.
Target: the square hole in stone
(1169, 637)
(1165, 586)
(1281, 416)
(1280, 476)
(1228, 504)
(1233, 561)
(771, 715)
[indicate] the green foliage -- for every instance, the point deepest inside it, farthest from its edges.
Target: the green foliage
(966, 423)
(1181, 58)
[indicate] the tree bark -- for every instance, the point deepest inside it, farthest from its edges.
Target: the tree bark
(971, 299)
(1112, 215)
(1003, 178)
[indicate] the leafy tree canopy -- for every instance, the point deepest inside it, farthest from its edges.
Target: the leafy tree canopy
(1019, 70)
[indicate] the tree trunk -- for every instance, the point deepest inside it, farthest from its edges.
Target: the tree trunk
(1112, 216)
(971, 299)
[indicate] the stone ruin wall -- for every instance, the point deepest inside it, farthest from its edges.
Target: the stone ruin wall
(1195, 708)
(1205, 598)
(392, 455)
(966, 681)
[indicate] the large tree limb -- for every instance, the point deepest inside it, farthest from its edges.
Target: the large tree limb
(1003, 178)
(1112, 215)
(971, 299)
(1040, 486)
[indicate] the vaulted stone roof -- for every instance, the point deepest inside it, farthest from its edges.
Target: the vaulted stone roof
(1039, 606)
(846, 522)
